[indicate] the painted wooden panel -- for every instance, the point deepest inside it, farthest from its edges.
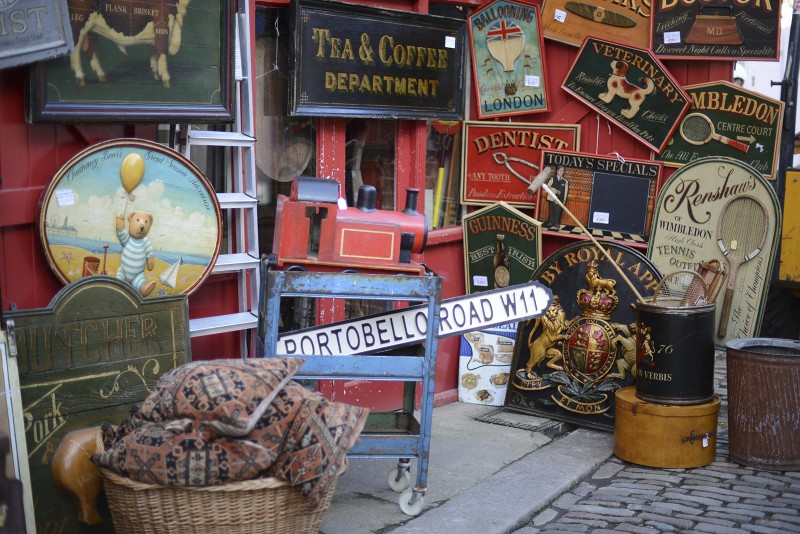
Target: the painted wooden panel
(95, 351)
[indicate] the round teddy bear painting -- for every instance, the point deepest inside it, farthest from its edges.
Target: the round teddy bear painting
(135, 210)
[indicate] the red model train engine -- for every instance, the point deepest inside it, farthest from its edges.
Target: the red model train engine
(315, 227)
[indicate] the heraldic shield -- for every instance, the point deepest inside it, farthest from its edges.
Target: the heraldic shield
(570, 367)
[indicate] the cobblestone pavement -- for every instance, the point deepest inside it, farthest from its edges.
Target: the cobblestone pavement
(723, 497)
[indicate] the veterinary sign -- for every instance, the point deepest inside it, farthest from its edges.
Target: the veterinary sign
(630, 87)
(508, 60)
(741, 30)
(33, 30)
(570, 21)
(85, 359)
(502, 247)
(359, 61)
(501, 159)
(593, 194)
(410, 325)
(726, 120)
(686, 231)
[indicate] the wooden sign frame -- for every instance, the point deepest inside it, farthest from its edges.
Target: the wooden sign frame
(80, 208)
(601, 215)
(570, 21)
(500, 159)
(684, 233)
(744, 125)
(737, 31)
(630, 87)
(353, 61)
(34, 32)
(95, 351)
(508, 61)
(194, 85)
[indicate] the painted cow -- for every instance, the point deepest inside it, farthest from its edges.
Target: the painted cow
(126, 22)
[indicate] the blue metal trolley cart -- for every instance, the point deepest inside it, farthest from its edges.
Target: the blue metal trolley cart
(386, 434)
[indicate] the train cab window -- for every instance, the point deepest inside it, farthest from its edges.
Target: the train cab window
(443, 174)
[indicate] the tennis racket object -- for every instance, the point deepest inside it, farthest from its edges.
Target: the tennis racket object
(697, 129)
(741, 232)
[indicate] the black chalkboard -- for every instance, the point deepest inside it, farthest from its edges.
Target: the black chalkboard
(619, 203)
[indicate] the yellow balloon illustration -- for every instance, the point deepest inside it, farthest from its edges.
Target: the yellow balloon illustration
(131, 171)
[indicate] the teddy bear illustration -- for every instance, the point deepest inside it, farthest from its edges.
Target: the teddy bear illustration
(137, 250)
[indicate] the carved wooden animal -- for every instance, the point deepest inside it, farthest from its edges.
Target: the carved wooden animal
(553, 322)
(156, 23)
(74, 473)
(597, 284)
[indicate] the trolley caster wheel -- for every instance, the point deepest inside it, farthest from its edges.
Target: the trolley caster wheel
(399, 478)
(411, 503)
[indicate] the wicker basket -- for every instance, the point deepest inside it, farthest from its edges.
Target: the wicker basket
(267, 505)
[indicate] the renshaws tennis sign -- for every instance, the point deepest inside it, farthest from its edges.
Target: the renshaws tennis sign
(409, 325)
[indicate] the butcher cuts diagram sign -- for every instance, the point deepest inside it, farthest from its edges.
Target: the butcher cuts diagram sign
(726, 120)
(693, 224)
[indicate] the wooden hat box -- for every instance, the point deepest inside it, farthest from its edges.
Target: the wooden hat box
(661, 435)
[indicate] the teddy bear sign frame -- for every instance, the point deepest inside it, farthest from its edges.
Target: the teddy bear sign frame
(137, 202)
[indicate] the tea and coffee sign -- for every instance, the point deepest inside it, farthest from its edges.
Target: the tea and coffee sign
(745, 29)
(726, 120)
(720, 209)
(501, 159)
(508, 59)
(357, 61)
(629, 86)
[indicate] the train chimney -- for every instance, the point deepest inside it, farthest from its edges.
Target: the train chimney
(412, 194)
(367, 197)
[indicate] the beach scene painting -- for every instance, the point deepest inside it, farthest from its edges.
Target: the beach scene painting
(134, 210)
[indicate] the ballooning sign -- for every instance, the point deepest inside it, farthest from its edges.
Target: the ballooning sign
(508, 64)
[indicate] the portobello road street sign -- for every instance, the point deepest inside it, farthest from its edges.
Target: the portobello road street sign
(409, 325)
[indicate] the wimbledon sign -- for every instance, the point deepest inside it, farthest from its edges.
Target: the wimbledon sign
(410, 325)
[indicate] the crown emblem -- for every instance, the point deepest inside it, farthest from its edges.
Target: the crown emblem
(600, 300)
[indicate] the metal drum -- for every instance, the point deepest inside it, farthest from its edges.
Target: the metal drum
(675, 350)
(764, 402)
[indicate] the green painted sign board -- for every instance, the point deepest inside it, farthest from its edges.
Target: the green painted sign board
(502, 247)
(629, 86)
(726, 120)
(95, 351)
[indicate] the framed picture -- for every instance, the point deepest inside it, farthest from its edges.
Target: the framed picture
(508, 60)
(502, 158)
(135, 210)
(175, 65)
(589, 185)
(570, 21)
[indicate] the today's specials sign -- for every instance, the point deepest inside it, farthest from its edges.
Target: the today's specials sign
(358, 61)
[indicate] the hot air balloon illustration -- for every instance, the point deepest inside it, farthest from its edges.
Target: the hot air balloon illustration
(505, 41)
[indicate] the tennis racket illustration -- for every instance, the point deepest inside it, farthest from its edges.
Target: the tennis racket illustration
(697, 129)
(741, 232)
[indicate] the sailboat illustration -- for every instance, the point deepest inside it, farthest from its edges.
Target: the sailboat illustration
(170, 276)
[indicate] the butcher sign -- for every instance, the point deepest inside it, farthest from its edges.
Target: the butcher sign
(409, 325)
